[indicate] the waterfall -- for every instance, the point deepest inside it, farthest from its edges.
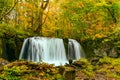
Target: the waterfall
(74, 50)
(50, 50)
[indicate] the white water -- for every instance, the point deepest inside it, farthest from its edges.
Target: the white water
(50, 50)
(75, 49)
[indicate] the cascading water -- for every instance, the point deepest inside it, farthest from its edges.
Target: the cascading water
(50, 50)
(74, 50)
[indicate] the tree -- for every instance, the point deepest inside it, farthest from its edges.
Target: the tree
(43, 6)
(30, 15)
(91, 18)
(6, 6)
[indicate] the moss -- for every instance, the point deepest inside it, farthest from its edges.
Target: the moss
(86, 68)
(106, 68)
(110, 67)
(23, 70)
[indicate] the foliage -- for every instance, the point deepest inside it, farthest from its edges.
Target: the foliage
(11, 73)
(110, 66)
(78, 18)
(8, 31)
(6, 7)
(11, 35)
(86, 68)
(103, 46)
(107, 68)
(63, 19)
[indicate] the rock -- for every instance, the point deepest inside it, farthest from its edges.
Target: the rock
(3, 62)
(69, 73)
(78, 63)
(113, 53)
(70, 61)
(94, 61)
(61, 69)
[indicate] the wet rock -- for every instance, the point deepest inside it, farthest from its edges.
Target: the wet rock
(70, 61)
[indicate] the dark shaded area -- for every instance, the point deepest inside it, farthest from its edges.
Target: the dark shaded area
(65, 40)
(11, 50)
(8, 51)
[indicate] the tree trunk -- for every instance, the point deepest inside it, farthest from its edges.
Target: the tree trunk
(43, 6)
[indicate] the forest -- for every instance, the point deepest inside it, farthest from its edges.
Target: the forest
(95, 24)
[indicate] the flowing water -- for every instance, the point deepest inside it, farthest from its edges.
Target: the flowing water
(50, 50)
(75, 51)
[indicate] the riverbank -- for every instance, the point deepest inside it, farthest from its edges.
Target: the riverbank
(84, 69)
